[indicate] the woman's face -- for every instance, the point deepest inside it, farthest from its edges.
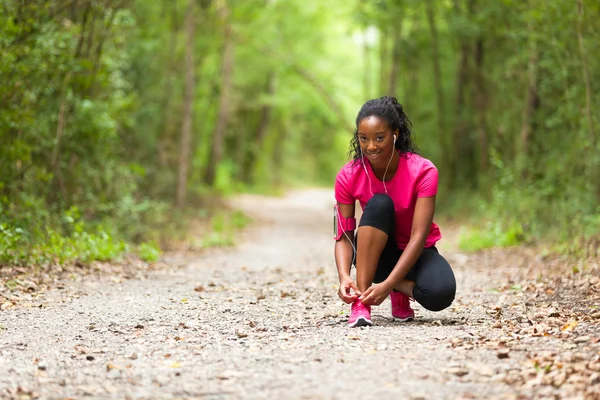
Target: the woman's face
(376, 140)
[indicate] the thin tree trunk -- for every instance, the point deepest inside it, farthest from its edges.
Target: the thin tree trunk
(84, 23)
(261, 131)
(60, 128)
(188, 107)
(529, 110)
(90, 38)
(164, 139)
(586, 75)
(100, 46)
(224, 106)
(437, 77)
(593, 165)
(460, 125)
(481, 106)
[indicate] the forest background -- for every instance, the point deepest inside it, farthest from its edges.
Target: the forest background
(121, 118)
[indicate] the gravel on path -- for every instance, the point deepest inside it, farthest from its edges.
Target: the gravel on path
(262, 320)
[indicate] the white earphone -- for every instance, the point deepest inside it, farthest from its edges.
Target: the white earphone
(386, 168)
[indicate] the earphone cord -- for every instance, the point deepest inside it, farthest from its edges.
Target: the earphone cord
(386, 170)
(384, 174)
(362, 159)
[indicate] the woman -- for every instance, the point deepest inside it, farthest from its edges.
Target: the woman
(394, 249)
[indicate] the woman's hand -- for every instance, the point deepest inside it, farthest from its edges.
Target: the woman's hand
(376, 294)
(347, 284)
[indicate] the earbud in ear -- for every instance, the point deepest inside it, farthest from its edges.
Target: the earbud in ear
(394, 138)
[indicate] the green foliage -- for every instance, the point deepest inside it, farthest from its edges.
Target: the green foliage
(21, 247)
(149, 252)
(93, 96)
(223, 227)
(493, 234)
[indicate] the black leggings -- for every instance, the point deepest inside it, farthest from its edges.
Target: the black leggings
(435, 283)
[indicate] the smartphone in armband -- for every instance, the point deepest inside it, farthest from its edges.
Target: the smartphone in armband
(341, 225)
(335, 223)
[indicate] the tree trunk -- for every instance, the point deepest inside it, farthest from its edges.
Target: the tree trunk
(460, 127)
(188, 107)
(224, 106)
(100, 46)
(60, 128)
(437, 78)
(261, 131)
(529, 110)
(481, 107)
(593, 165)
(460, 132)
(163, 148)
(586, 76)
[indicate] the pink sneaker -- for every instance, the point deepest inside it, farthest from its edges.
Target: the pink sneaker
(401, 310)
(360, 315)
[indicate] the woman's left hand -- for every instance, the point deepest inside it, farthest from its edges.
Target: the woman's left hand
(376, 294)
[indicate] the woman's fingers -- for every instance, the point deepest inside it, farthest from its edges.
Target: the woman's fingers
(355, 288)
(365, 296)
(345, 295)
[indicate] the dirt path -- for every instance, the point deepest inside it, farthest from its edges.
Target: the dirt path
(263, 320)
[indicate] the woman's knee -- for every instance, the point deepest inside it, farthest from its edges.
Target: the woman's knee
(379, 213)
(380, 202)
(437, 298)
(379, 208)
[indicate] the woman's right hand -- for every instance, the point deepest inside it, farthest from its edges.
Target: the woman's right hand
(346, 285)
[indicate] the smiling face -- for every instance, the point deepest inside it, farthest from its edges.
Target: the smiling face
(376, 140)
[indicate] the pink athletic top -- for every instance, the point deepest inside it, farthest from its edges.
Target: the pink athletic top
(415, 177)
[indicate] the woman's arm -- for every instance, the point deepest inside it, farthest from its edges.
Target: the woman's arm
(344, 253)
(422, 219)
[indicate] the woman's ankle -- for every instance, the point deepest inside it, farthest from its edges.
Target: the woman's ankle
(405, 286)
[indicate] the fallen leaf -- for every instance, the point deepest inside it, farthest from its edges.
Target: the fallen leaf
(502, 353)
(569, 326)
(458, 371)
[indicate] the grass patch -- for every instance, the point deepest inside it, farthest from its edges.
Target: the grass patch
(222, 228)
(493, 234)
(149, 251)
